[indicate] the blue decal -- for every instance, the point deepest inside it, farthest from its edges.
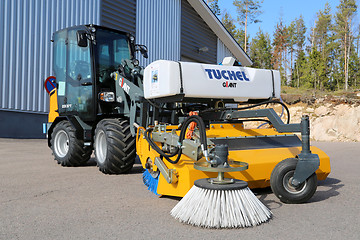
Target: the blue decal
(239, 76)
(246, 79)
(217, 74)
(209, 73)
(226, 75)
(232, 75)
(223, 75)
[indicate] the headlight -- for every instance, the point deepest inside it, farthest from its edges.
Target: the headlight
(107, 96)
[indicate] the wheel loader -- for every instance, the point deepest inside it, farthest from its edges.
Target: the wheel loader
(177, 117)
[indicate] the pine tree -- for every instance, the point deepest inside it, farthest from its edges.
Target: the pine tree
(214, 6)
(229, 24)
(291, 44)
(354, 69)
(279, 50)
(301, 71)
(299, 41)
(248, 13)
(344, 22)
(260, 50)
(322, 39)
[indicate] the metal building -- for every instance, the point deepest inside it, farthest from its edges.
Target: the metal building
(176, 30)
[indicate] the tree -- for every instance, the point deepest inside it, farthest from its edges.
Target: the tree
(214, 6)
(300, 30)
(279, 50)
(291, 44)
(260, 50)
(299, 41)
(248, 13)
(240, 37)
(322, 39)
(301, 73)
(344, 21)
(229, 24)
(354, 69)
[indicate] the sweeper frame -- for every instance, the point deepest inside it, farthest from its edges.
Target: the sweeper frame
(276, 156)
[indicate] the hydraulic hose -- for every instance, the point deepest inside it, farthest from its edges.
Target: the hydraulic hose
(178, 149)
(253, 106)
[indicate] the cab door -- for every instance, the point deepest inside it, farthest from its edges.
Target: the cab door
(74, 75)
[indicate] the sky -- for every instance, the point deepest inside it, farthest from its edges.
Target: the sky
(288, 10)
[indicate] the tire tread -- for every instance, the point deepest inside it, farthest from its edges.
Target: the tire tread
(121, 151)
(77, 155)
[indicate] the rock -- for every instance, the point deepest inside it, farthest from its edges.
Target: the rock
(322, 111)
(309, 110)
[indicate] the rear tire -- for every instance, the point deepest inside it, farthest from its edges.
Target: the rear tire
(68, 150)
(114, 146)
(280, 182)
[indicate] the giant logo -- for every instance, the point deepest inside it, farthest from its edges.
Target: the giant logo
(227, 75)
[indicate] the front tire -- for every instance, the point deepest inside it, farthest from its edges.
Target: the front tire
(68, 150)
(114, 146)
(280, 182)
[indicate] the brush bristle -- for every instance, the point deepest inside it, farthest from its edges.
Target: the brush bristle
(221, 208)
(150, 181)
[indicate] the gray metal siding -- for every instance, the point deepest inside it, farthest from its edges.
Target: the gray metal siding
(26, 27)
(195, 34)
(222, 51)
(119, 14)
(158, 27)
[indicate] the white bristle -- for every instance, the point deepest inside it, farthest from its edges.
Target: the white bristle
(221, 208)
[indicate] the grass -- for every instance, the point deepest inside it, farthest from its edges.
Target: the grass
(316, 93)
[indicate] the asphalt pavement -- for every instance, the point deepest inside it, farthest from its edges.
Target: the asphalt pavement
(41, 200)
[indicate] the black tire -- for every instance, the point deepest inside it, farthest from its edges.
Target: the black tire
(68, 150)
(280, 183)
(114, 146)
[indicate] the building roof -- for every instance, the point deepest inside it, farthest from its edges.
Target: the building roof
(218, 28)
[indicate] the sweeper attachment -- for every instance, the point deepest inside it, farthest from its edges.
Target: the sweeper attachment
(191, 131)
(199, 148)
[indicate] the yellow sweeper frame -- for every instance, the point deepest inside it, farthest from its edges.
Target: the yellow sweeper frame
(261, 161)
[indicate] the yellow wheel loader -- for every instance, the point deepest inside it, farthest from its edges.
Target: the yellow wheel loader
(185, 121)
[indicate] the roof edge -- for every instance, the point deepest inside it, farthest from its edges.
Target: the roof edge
(218, 28)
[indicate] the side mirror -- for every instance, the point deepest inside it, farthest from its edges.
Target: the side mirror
(81, 38)
(142, 49)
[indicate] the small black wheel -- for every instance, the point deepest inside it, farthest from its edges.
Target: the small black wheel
(68, 150)
(280, 182)
(114, 146)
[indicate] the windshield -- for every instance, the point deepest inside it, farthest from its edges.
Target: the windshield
(111, 49)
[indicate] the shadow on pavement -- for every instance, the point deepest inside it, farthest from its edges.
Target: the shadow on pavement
(332, 185)
(135, 170)
(264, 193)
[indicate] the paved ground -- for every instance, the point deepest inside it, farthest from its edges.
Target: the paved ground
(41, 200)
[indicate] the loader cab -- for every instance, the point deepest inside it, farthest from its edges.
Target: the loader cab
(84, 58)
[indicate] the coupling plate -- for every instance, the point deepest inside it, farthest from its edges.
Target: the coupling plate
(206, 183)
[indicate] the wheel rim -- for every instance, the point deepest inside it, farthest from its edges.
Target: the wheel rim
(101, 146)
(61, 143)
(288, 177)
